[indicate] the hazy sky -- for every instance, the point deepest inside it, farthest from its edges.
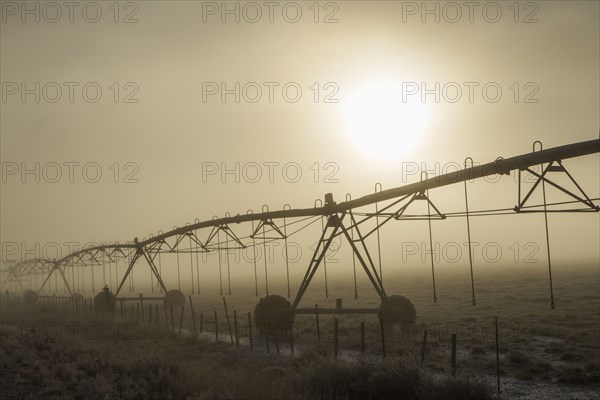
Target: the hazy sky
(370, 92)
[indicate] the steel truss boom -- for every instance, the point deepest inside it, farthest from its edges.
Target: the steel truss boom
(499, 166)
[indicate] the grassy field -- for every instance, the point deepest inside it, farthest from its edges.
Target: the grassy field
(543, 352)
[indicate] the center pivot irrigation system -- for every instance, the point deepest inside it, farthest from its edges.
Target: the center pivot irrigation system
(344, 220)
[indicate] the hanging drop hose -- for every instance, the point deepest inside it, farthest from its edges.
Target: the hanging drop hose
(197, 265)
(228, 267)
(469, 234)
(151, 281)
(72, 275)
(192, 265)
(552, 303)
(254, 258)
(129, 259)
(348, 198)
(325, 265)
(93, 283)
(265, 256)
(109, 274)
(219, 259)
(430, 242)
(178, 272)
(378, 239)
(285, 243)
(160, 290)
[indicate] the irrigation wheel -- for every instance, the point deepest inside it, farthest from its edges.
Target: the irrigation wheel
(30, 297)
(175, 298)
(397, 309)
(273, 315)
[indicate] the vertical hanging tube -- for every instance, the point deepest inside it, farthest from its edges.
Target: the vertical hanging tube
(159, 271)
(192, 265)
(178, 271)
(378, 185)
(178, 267)
(287, 264)
(227, 258)
(430, 239)
(73, 273)
(254, 257)
(197, 263)
(103, 273)
(151, 278)
(265, 252)
(110, 273)
(349, 198)
(325, 255)
(197, 270)
(552, 303)
(228, 268)
(219, 259)
(129, 258)
(469, 233)
(117, 272)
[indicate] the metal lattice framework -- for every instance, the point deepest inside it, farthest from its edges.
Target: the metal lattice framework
(343, 220)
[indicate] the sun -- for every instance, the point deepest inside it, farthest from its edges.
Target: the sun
(382, 124)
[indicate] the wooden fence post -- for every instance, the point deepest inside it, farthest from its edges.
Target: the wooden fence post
(142, 305)
(423, 347)
(317, 318)
(193, 316)
(381, 328)
(250, 329)
(453, 355)
(216, 327)
(335, 338)
(235, 328)
(181, 318)
(362, 337)
(497, 356)
(172, 319)
(228, 322)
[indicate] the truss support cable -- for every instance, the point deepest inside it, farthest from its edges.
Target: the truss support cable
(93, 283)
(469, 236)
(431, 248)
(287, 264)
(325, 264)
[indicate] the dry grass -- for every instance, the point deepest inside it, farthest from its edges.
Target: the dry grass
(537, 344)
